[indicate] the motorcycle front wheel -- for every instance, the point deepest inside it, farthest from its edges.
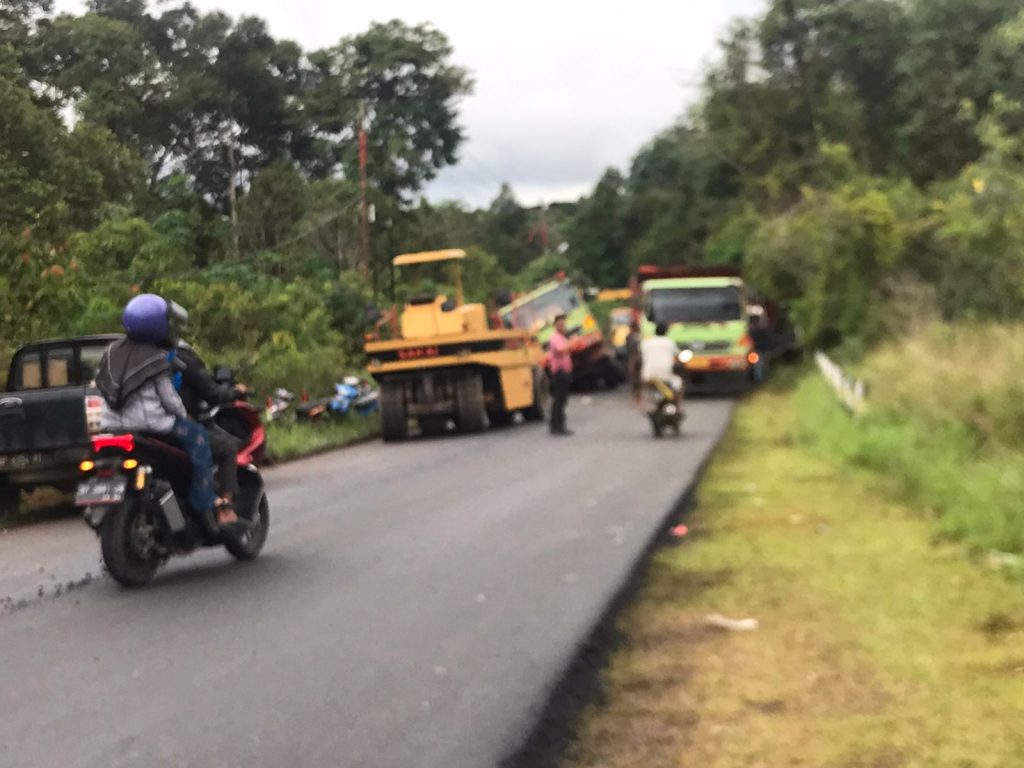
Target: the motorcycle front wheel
(127, 541)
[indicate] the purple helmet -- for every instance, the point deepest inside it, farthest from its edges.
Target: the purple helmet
(146, 319)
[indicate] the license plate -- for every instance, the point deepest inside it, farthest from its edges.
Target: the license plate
(100, 490)
(21, 460)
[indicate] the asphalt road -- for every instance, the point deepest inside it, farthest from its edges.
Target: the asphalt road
(414, 607)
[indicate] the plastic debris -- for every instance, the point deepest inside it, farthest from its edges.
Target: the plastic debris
(732, 625)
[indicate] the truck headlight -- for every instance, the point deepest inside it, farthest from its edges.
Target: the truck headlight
(686, 356)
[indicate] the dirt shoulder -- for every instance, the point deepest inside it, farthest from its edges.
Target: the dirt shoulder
(875, 647)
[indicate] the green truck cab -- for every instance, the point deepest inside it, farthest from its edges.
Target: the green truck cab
(707, 313)
(536, 311)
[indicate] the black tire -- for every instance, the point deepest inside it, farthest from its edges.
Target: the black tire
(126, 565)
(433, 426)
(656, 426)
(394, 420)
(469, 403)
(500, 418)
(249, 546)
(541, 393)
(10, 499)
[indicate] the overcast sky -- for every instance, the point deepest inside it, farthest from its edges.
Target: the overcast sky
(563, 89)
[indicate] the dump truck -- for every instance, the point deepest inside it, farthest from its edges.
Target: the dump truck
(592, 357)
(445, 364)
(708, 312)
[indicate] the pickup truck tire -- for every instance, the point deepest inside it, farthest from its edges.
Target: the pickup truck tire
(126, 565)
(394, 419)
(10, 499)
(469, 400)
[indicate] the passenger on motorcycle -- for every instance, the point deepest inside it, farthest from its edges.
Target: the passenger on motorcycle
(659, 357)
(137, 377)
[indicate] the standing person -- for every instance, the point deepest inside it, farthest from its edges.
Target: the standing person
(634, 362)
(561, 377)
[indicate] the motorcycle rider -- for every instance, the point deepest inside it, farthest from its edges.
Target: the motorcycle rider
(136, 378)
(200, 390)
(659, 357)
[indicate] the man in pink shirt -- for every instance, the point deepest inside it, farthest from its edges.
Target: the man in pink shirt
(561, 376)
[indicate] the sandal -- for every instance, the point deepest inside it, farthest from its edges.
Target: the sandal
(236, 525)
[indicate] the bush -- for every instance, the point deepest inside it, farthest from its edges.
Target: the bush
(944, 426)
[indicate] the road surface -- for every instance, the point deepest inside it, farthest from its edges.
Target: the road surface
(414, 607)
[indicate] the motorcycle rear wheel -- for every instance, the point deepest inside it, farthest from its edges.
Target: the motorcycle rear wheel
(120, 536)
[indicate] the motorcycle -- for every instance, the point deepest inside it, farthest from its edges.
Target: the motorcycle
(350, 395)
(279, 405)
(134, 495)
(662, 408)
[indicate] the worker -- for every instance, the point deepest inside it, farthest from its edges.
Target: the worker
(561, 377)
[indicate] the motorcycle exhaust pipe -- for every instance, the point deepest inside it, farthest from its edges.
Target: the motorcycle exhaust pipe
(171, 511)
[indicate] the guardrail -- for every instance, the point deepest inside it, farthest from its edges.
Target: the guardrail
(853, 393)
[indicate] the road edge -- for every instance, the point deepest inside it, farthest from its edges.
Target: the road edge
(557, 723)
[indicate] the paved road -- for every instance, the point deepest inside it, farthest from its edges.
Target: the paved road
(414, 606)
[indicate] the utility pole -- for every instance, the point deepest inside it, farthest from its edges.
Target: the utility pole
(364, 202)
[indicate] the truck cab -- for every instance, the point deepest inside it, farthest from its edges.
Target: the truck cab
(535, 312)
(707, 313)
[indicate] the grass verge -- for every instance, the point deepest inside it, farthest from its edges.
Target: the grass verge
(292, 441)
(878, 647)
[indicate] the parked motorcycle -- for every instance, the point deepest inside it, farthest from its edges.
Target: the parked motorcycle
(351, 395)
(279, 405)
(134, 494)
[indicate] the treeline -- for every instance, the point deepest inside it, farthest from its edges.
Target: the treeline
(863, 159)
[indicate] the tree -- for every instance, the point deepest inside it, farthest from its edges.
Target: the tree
(404, 79)
(598, 236)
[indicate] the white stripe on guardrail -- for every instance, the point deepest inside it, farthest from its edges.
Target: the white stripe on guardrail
(853, 393)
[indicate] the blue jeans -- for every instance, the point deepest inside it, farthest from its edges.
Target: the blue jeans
(194, 439)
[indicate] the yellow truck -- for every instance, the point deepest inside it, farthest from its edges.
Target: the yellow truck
(445, 364)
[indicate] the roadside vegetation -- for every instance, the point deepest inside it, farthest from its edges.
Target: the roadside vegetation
(878, 643)
(294, 440)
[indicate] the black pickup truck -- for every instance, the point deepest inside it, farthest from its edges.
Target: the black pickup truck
(47, 414)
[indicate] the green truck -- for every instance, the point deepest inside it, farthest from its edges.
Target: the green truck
(710, 315)
(592, 357)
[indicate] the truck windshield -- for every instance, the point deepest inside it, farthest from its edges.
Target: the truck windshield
(543, 309)
(696, 305)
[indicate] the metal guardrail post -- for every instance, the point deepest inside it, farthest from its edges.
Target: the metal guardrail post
(853, 393)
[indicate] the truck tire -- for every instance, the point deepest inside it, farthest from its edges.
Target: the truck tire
(469, 401)
(394, 421)
(10, 499)
(541, 392)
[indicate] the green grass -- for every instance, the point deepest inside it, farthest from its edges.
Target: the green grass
(294, 440)
(945, 424)
(878, 646)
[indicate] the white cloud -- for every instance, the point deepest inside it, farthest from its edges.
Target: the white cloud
(563, 89)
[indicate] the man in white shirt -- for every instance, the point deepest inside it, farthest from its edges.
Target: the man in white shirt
(659, 355)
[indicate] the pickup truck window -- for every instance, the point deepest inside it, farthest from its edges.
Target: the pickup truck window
(89, 362)
(30, 372)
(58, 367)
